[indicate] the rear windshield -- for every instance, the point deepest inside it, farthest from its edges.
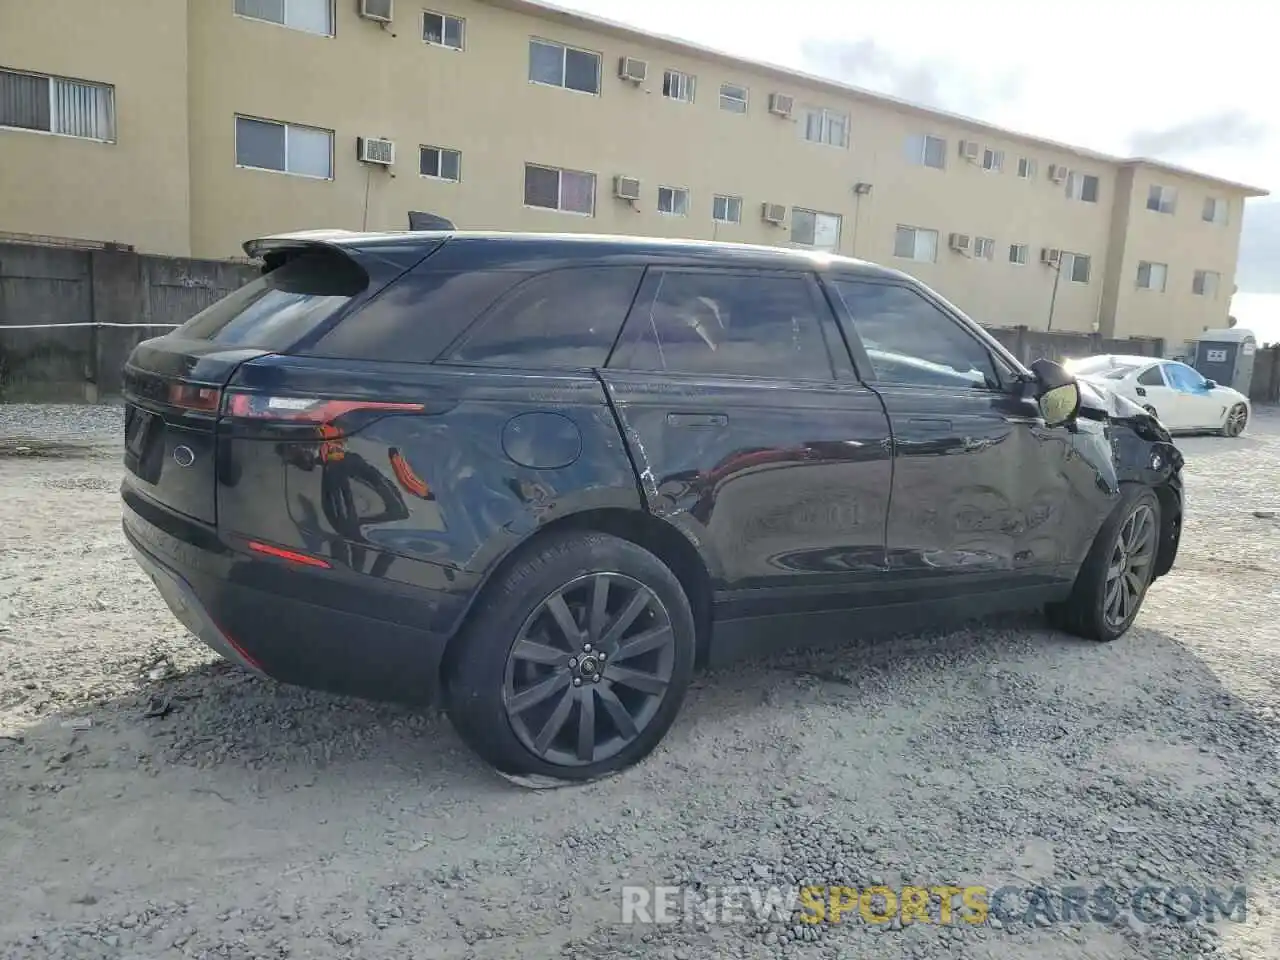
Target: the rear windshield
(276, 310)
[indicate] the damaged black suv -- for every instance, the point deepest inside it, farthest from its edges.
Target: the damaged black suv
(541, 479)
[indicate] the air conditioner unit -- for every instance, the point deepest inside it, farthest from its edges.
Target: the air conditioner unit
(629, 68)
(773, 212)
(374, 150)
(959, 242)
(376, 10)
(969, 149)
(1057, 172)
(1050, 255)
(781, 104)
(626, 188)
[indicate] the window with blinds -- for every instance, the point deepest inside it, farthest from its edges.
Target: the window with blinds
(72, 108)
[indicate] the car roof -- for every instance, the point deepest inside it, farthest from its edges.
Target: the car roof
(536, 248)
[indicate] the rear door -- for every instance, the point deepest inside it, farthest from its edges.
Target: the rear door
(746, 425)
(1153, 391)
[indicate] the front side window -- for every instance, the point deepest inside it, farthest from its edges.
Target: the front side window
(1181, 377)
(916, 243)
(442, 30)
(673, 201)
(556, 65)
(911, 341)
(71, 108)
(1152, 276)
(811, 228)
(566, 319)
(309, 16)
(550, 188)
(284, 147)
(826, 126)
(732, 324)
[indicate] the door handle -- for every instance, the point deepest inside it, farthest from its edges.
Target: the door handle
(697, 420)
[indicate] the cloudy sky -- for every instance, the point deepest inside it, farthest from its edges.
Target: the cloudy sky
(1187, 82)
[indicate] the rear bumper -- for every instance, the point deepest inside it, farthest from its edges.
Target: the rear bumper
(250, 612)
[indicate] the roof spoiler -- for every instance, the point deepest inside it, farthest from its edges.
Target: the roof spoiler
(378, 254)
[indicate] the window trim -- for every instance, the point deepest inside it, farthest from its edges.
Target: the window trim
(50, 78)
(442, 151)
(444, 17)
(646, 294)
(333, 22)
(1004, 364)
(564, 66)
(595, 190)
(726, 196)
(235, 147)
(688, 200)
(745, 101)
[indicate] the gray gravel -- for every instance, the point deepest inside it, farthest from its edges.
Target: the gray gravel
(62, 422)
(155, 802)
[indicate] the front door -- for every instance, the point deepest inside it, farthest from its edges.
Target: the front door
(747, 428)
(981, 485)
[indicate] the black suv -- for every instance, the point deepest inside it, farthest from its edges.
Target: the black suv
(543, 478)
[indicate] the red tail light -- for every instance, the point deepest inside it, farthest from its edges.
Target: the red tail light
(252, 406)
(280, 553)
(191, 396)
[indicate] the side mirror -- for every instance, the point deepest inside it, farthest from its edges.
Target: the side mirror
(1210, 384)
(1057, 393)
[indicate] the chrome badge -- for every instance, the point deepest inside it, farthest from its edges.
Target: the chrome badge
(183, 455)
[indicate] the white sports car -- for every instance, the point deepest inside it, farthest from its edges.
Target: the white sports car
(1182, 399)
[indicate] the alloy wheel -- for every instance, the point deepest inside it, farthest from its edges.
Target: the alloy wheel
(589, 669)
(1129, 569)
(1236, 420)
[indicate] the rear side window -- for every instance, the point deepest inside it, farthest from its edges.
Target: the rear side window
(736, 324)
(561, 319)
(1152, 377)
(277, 309)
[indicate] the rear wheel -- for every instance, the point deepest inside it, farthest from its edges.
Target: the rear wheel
(1237, 420)
(576, 662)
(1113, 581)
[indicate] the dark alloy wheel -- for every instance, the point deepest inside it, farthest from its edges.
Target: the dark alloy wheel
(575, 660)
(589, 669)
(1113, 580)
(1237, 420)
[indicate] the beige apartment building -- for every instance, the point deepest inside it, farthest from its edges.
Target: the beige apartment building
(183, 127)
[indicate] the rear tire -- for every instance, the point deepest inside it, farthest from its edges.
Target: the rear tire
(1237, 420)
(1121, 561)
(576, 662)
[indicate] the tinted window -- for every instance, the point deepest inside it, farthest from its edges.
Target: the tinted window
(909, 340)
(274, 311)
(417, 316)
(737, 324)
(565, 318)
(1151, 378)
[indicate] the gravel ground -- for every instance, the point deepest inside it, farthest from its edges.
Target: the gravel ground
(155, 802)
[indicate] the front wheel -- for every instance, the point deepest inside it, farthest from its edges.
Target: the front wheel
(1237, 420)
(576, 662)
(1113, 580)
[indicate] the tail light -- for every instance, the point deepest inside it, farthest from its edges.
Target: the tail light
(192, 396)
(321, 414)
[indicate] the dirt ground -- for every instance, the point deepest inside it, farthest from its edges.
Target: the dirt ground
(156, 802)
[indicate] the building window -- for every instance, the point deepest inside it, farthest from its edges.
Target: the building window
(726, 209)
(1205, 283)
(1026, 168)
(993, 160)
(440, 163)
(984, 248)
(733, 98)
(442, 30)
(678, 86)
(70, 108)
(1018, 253)
(1082, 186)
(810, 228)
(915, 243)
(1152, 276)
(1215, 210)
(826, 126)
(570, 191)
(673, 201)
(556, 65)
(1162, 199)
(1075, 266)
(310, 16)
(927, 151)
(284, 147)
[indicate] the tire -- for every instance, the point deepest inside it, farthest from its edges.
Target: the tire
(1237, 420)
(1085, 613)
(494, 689)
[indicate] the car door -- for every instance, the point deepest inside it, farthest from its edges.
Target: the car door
(1152, 391)
(982, 488)
(1197, 407)
(748, 429)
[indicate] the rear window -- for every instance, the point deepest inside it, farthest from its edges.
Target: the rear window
(276, 310)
